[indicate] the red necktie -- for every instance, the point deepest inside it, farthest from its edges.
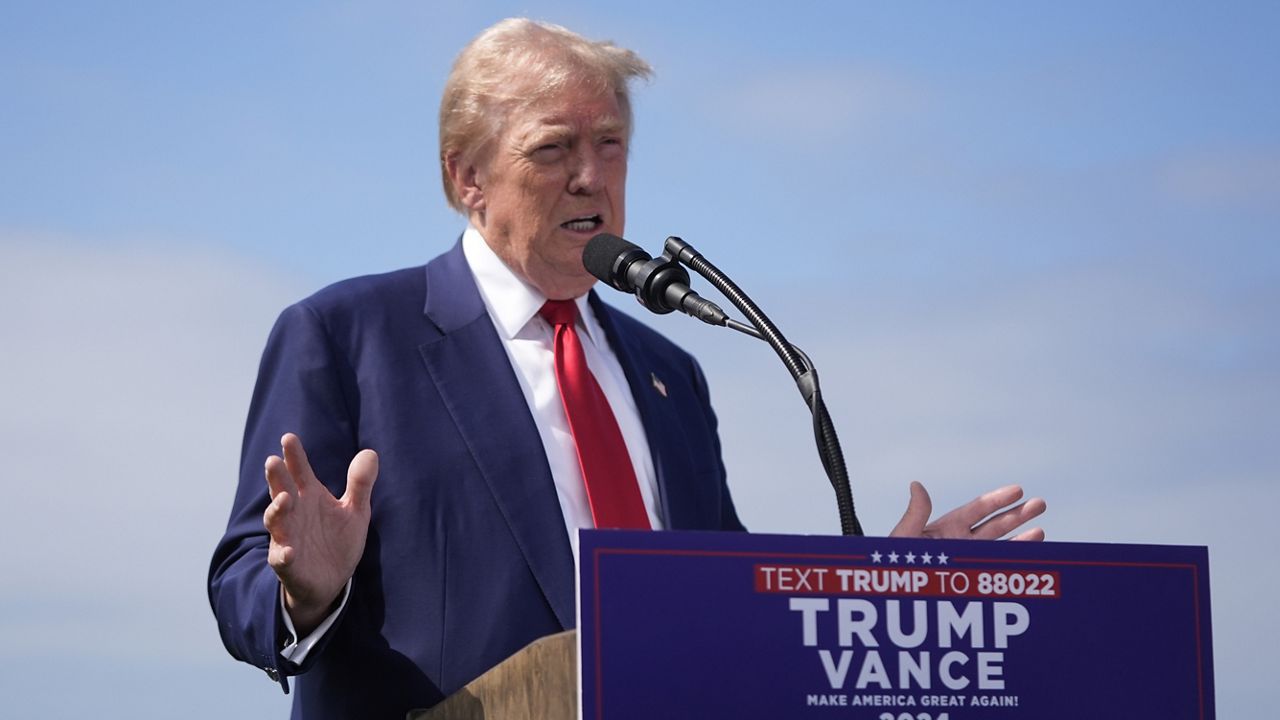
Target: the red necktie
(612, 489)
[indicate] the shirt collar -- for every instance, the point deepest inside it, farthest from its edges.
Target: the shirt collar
(511, 301)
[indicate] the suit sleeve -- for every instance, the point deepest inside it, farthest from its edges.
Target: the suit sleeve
(304, 386)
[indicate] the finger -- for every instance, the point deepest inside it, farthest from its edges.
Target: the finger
(919, 507)
(279, 552)
(972, 512)
(278, 477)
(279, 557)
(1032, 535)
(273, 516)
(1006, 522)
(295, 459)
(361, 475)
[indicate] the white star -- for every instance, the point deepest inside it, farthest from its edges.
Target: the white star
(911, 558)
(926, 558)
(893, 557)
(942, 558)
(875, 556)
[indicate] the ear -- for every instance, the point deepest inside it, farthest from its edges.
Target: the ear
(467, 183)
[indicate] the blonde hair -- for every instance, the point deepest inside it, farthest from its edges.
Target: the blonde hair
(513, 64)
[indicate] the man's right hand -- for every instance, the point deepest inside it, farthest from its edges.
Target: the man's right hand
(316, 539)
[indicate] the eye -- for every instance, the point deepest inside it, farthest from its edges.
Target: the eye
(548, 153)
(612, 146)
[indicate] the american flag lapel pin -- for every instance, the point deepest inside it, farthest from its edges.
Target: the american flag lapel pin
(658, 385)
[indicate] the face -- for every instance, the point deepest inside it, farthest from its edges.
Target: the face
(554, 178)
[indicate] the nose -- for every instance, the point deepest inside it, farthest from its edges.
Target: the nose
(586, 175)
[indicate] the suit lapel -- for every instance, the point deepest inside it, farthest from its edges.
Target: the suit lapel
(473, 374)
(660, 415)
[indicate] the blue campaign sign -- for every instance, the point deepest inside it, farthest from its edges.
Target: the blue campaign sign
(702, 625)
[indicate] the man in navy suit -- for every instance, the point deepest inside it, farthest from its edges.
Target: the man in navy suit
(439, 383)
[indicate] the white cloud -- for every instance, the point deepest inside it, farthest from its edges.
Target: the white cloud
(1131, 374)
(126, 379)
(814, 105)
(1235, 176)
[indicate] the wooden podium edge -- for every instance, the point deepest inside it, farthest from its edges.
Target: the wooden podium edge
(540, 682)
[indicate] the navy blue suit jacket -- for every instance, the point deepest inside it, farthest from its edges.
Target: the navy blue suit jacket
(467, 557)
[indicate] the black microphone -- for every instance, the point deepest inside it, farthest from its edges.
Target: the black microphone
(661, 285)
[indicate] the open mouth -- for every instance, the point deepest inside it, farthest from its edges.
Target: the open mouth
(587, 223)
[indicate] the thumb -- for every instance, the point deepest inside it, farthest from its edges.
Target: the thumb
(361, 475)
(919, 508)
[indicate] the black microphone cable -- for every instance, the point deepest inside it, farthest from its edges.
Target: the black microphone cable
(802, 370)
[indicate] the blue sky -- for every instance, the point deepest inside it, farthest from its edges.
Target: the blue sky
(1024, 242)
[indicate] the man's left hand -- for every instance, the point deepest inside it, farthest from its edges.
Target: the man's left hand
(987, 517)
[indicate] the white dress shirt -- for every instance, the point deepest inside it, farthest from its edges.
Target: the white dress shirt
(513, 307)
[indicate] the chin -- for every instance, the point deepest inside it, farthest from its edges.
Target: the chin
(569, 288)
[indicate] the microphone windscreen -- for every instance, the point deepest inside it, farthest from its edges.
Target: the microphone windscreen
(602, 253)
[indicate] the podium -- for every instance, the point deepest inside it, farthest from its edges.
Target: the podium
(540, 682)
(675, 625)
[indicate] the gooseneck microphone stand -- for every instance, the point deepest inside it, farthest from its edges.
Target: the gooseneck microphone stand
(802, 370)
